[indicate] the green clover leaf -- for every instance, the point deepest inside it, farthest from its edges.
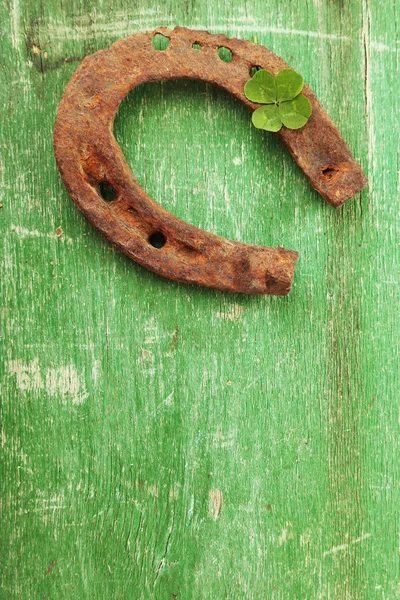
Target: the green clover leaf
(267, 117)
(261, 88)
(295, 113)
(288, 85)
(284, 104)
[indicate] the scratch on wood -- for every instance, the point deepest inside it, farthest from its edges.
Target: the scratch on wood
(367, 86)
(162, 561)
(126, 26)
(50, 567)
(367, 92)
(79, 30)
(380, 47)
(373, 400)
(342, 547)
(167, 402)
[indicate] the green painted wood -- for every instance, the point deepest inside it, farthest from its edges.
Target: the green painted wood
(163, 441)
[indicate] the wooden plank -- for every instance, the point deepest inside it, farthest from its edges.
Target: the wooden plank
(164, 441)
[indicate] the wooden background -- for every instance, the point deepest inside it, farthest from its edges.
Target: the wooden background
(164, 441)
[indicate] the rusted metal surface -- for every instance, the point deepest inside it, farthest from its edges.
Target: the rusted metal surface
(88, 155)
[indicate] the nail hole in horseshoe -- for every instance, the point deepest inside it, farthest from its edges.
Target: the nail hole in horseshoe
(328, 172)
(157, 240)
(196, 46)
(107, 191)
(225, 54)
(254, 69)
(160, 41)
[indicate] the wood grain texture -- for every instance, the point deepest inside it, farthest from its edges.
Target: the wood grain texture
(164, 441)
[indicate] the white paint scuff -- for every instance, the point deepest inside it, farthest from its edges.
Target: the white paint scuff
(287, 534)
(215, 499)
(15, 15)
(63, 380)
(23, 232)
(233, 312)
(167, 402)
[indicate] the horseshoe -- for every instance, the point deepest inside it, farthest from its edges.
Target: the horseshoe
(87, 155)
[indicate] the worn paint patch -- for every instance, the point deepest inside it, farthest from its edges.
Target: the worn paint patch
(174, 492)
(28, 375)
(232, 313)
(96, 371)
(215, 499)
(23, 232)
(15, 15)
(152, 490)
(306, 538)
(286, 534)
(64, 380)
(222, 439)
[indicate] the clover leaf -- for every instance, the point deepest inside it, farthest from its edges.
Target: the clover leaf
(267, 117)
(261, 87)
(284, 104)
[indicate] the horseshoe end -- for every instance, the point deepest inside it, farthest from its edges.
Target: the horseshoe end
(280, 273)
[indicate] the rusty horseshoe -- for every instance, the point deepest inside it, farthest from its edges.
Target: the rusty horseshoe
(88, 155)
